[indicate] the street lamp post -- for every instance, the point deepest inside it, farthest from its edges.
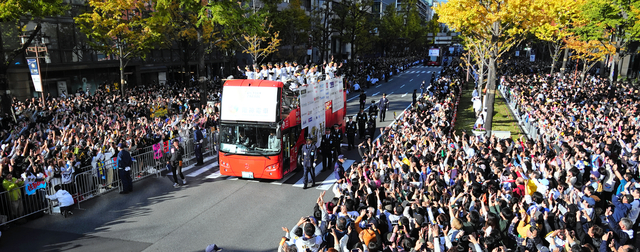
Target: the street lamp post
(39, 46)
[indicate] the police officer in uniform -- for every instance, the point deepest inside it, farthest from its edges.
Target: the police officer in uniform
(337, 136)
(351, 133)
(363, 99)
(338, 170)
(326, 148)
(383, 106)
(198, 139)
(124, 163)
(371, 126)
(309, 162)
(361, 118)
(373, 112)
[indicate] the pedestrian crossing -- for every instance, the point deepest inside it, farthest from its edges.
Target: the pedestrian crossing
(417, 72)
(211, 171)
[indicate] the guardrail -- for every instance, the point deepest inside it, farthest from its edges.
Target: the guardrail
(97, 179)
(525, 119)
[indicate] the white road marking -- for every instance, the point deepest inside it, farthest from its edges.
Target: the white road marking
(202, 170)
(184, 169)
(402, 86)
(375, 94)
(214, 175)
(391, 93)
(282, 180)
(327, 183)
(410, 80)
(405, 94)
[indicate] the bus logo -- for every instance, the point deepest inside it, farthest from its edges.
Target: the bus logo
(246, 166)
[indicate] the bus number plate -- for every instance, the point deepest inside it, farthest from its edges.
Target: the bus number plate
(247, 175)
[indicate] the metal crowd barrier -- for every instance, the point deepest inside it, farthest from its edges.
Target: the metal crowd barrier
(526, 121)
(96, 180)
(12, 209)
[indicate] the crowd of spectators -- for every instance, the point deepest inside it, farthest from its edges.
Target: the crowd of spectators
(423, 187)
(62, 137)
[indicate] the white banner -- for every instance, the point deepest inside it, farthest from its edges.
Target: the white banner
(337, 98)
(306, 108)
(256, 104)
(319, 111)
(532, 58)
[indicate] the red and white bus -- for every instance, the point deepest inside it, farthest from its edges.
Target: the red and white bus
(261, 132)
(435, 57)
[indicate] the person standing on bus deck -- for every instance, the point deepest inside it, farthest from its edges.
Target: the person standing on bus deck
(383, 106)
(124, 163)
(363, 99)
(338, 170)
(361, 118)
(422, 86)
(199, 139)
(309, 162)
(326, 148)
(351, 133)
(175, 160)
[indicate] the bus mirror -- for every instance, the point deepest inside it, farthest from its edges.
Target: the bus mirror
(278, 131)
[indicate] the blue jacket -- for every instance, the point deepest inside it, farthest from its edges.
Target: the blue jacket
(621, 210)
(338, 170)
(124, 159)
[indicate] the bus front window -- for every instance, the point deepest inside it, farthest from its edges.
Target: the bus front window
(249, 139)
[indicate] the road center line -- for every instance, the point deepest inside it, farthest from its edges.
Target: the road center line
(375, 94)
(402, 86)
(410, 80)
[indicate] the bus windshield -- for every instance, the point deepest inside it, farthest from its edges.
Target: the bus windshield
(249, 139)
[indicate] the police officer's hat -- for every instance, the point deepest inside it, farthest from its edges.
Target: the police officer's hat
(247, 67)
(350, 117)
(327, 129)
(373, 101)
(336, 125)
(309, 138)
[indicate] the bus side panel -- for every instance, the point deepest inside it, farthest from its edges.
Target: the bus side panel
(294, 153)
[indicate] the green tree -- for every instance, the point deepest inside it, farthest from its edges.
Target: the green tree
(187, 24)
(121, 28)
(612, 22)
(293, 25)
(499, 24)
(556, 25)
(12, 14)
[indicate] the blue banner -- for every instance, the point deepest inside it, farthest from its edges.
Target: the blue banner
(35, 74)
(32, 187)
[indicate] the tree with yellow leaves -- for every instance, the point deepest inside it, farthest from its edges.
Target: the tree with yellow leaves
(556, 23)
(261, 42)
(497, 23)
(590, 52)
(121, 28)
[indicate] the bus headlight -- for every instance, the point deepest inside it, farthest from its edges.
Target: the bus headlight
(272, 167)
(224, 164)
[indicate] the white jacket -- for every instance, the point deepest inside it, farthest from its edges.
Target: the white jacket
(63, 197)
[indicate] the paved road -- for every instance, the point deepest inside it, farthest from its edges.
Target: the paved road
(236, 214)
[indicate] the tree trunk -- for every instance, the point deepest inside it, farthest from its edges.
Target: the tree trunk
(122, 66)
(491, 88)
(201, 69)
(554, 56)
(564, 60)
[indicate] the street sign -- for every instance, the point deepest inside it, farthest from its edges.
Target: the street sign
(517, 53)
(35, 74)
(532, 58)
